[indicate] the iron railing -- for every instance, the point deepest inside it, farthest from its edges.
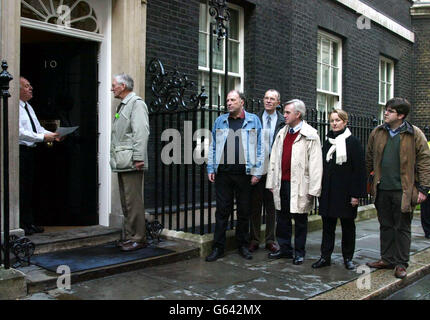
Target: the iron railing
(178, 191)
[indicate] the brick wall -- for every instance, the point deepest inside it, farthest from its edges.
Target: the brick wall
(421, 101)
(280, 48)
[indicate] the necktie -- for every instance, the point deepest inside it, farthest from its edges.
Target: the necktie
(291, 131)
(119, 107)
(31, 119)
(269, 127)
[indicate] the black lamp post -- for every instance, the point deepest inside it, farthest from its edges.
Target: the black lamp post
(5, 78)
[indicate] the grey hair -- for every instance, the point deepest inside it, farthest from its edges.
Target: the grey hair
(299, 106)
(276, 92)
(123, 78)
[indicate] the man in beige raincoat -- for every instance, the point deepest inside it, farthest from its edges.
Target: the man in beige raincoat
(294, 176)
(128, 157)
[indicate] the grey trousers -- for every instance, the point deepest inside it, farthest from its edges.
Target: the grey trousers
(131, 195)
(395, 228)
(260, 196)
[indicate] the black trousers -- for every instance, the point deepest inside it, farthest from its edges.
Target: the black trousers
(260, 196)
(425, 216)
(348, 237)
(227, 187)
(26, 181)
(284, 227)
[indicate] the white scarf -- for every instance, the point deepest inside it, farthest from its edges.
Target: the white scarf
(338, 145)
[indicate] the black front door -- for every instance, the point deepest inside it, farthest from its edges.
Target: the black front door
(65, 90)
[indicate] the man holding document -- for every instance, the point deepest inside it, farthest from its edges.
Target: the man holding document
(30, 133)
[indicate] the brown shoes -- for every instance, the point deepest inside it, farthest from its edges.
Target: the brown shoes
(133, 245)
(400, 272)
(380, 265)
(272, 247)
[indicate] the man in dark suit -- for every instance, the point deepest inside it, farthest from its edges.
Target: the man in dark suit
(272, 121)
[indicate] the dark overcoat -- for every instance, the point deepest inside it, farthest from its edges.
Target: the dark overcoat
(340, 183)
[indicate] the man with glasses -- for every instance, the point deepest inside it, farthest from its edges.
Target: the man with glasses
(398, 154)
(272, 121)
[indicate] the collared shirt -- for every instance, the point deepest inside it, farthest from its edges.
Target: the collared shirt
(297, 128)
(26, 135)
(125, 101)
(393, 133)
(273, 119)
(241, 115)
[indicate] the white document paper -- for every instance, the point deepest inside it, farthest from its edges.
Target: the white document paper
(64, 131)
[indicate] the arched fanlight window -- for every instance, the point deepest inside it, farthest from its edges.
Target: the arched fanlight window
(76, 14)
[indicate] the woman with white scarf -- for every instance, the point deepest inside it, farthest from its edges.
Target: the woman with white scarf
(343, 183)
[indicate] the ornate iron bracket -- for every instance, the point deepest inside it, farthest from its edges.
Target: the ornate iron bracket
(153, 230)
(168, 89)
(22, 248)
(219, 10)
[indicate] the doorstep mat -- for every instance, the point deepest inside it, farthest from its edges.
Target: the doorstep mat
(81, 259)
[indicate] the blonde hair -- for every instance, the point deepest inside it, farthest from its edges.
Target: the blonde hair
(342, 114)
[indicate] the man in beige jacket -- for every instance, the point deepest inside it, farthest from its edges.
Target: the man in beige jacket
(294, 176)
(129, 157)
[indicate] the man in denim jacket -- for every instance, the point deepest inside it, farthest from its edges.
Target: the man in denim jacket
(235, 163)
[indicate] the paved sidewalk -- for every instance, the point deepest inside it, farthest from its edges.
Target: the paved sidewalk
(232, 277)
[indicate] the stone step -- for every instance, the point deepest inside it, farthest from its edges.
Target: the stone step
(39, 279)
(74, 238)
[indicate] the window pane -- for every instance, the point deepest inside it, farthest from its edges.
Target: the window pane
(321, 100)
(203, 17)
(325, 78)
(382, 92)
(319, 76)
(335, 82)
(326, 51)
(319, 50)
(382, 71)
(334, 54)
(218, 54)
(215, 90)
(234, 24)
(388, 95)
(233, 62)
(331, 101)
(389, 71)
(202, 49)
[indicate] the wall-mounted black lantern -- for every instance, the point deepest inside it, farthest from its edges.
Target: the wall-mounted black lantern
(219, 10)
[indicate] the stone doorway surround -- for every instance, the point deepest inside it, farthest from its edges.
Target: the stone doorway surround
(127, 54)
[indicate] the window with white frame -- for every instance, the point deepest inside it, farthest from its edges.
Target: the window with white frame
(235, 45)
(386, 83)
(329, 72)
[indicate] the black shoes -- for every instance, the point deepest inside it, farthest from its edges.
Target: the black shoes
(244, 252)
(349, 264)
(298, 260)
(215, 255)
(278, 255)
(321, 263)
